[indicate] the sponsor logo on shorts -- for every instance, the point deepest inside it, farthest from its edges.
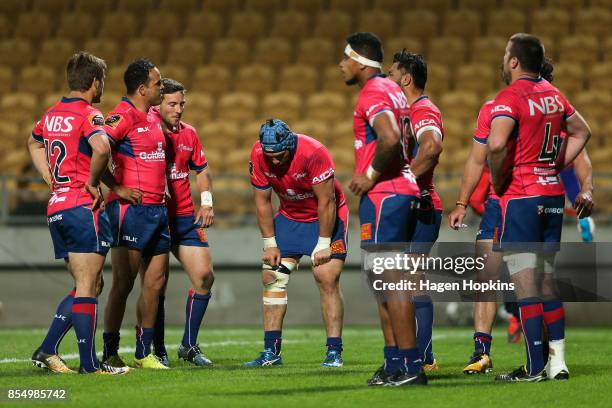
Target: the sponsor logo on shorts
(358, 144)
(366, 232)
(202, 235)
(338, 247)
(56, 217)
(105, 244)
(129, 239)
(549, 210)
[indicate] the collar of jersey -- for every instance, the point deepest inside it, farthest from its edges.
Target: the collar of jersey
(531, 79)
(381, 75)
(68, 100)
(420, 98)
(126, 99)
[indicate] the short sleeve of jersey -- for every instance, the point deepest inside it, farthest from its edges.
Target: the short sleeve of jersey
(198, 159)
(569, 108)
(423, 120)
(258, 179)
(505, 104)
(37, 132)
(483, 124)
(320, 166)
(116, 125)
(93, 124)
(373, 103)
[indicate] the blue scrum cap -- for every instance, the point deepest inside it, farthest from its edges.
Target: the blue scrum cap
(275, 136)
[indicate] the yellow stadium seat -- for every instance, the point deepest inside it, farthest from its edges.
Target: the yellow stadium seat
(93, 7)
(183, 7)
(55, 53)
(110, 100)
(600, 76)
(438, 79)
(205, 26)
(520, 4)
(13, 7)
(569, 78)
(143, 48)
(317, 129)
(302, 79)
(477, 78)
(334, 25)
(6, 80)
(594, 105)
(255, 78)
(118, 26)
(247, 26)
(327, 106)
(397, 44)
(551, 22)
(177, 72)
(551, 47)
(317, 52)
(5, 27)
(480, 5)
(272, 51)
(570, 5)
(333, 81)
(290, 25)
(342, 135)
(135, 6)
(505, 22)
(223, 7)
(199, 107)
(343, 159)
(348, 6)
(580, 49)
(237, 106)
(56, 7)
(380, 22)
(489, 50)
(460, 105)
(601, 3)
(594, 21)
(76, 27)
(214, 79)
(52, 98)
(220, 134)
(33, 27)
(9, 49)
(249, 134)
(108, 50)
(187, 52)
(20, 105)
(463, 23)
(393, 6)
(263, 6)
(161, 26)
(306, 6)
(438, 6)
(283, 105)
(11, 136)
(449, 50)
(421, 24)
(114, 79)
(15, 162)
(606, 48)
(230, 52)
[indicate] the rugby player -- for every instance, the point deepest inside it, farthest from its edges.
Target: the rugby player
(312, 220)
(70, 149)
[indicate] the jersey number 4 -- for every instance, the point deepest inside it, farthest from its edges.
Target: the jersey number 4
(56, 148)
(550, 147)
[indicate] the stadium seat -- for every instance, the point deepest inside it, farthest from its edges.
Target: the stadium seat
(342, 135)
(52, 7)
(317, 52)
(187, 52)
(15, 162)
(92, 7)
(200, 107)
(333, 81)
(223, 7)
(183, 7)
(204, 26)
(20, 105)
(5, 27)
(52, 98)
(463, 23)
(380, 22)
(477, 78)
(541, 22)
(448, 50)
(580, 49)
(33, 27)
(421, 24)
(505, 22)
(334, 25)
(177, 72)
(55, 53)
(457, 134)
(13, 7)
(551, 47)
(6, 80)
(38, 80)
(230, 52)
(306, 6)
(108, 50)
(236, 163)
(601, 3)
(606, 48)
(314, 128)
(460, 105)
(135, 6)
(348, 6)
(344, 159)
(594, 105)
(161, 26)
(569, 5)
(291, 25)
(68, 24)
(569, 78)
(283, 105)
(600, 76)
(218, 135)
(302, 79)
(11, 136)
(482, 6)
(246, 26)
(237, 106)
(329, 106)
(272, 51)
(264, 6)
(114, 79)
(143, 48)
(593, 21)
(397, 44)
(439, 6)
(255, 78)
(489, 50)
(393, 6)
(10, 49)
(118, 26)
(110, 100)
(214, 79)
(524, 5)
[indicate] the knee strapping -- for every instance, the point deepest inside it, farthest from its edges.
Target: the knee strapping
(518, 261)
(275, 291)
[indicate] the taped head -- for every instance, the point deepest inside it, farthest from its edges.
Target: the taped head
(275, 137)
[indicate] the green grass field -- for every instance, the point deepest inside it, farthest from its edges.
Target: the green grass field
(303, 382)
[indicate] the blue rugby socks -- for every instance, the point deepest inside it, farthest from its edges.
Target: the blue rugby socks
(61, 323)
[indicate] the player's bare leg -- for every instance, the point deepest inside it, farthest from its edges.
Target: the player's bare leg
(327, 277)
(197, 262)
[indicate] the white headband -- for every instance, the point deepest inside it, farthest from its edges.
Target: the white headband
(352, 54)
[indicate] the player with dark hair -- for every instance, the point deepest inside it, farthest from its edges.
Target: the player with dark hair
(312, 220)
(189, 242)
(70, 149)
(527, 118)
(389, 193)
(136, 208)
(422, 133)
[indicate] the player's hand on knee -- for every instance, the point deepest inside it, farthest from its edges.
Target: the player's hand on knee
(360, 184)
(206, 215)
(584, 204)
(321, 257)
(455, 218)
(132, 195)
(271, 256)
